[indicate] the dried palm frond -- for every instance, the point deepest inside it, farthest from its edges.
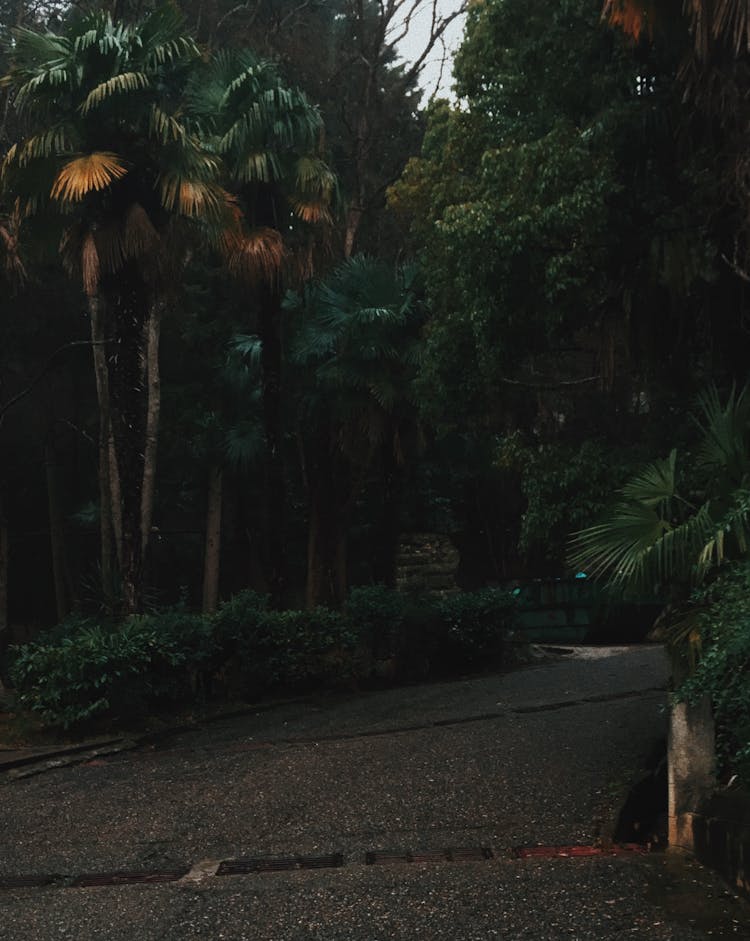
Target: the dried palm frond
(191, 197)
(109, 246)
(139, 235)
(259, 256)
(633, 17)
(90, 268)
(87, 174)
(312, 211)
(9, 236)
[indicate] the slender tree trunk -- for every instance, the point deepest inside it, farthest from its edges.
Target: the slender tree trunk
(327, 540)
(130, 309)
(353, 219)
(4, 558)
(270, 334)
(212, 555)
(327, 545)
(57, 535)
(153, 409)
(388, 527)
(101, 374)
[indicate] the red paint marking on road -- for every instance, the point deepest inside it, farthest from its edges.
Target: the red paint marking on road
(574, 851)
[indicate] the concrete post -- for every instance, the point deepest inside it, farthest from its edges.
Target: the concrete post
(691, 765)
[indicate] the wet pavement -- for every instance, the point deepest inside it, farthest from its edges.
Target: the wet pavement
(543, 755)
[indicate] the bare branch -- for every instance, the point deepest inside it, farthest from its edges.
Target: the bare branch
(740, 272)
(549, 383)
(240, 8)
(19, 396)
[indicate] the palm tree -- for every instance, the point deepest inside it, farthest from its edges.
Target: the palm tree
(722, 23)
(672, 537)
(109, 156)
(359, 342)
(268, 137)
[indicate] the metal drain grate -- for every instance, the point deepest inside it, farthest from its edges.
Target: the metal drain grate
(237, 867)
(577, 851)
(470, 854)
(88, 880)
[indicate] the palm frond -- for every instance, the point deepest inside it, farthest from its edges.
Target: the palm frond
(248, 348)
(14, 265)
(117, 85)
(258, 167)
(312, 212)
(258, 256)
(190, 197)
(616, 547)
(165, 127)
(90, 269)
(51, 78)
(655, 484)
(725, 449)
(56, 140)
(139, 234)
(244, 444)
(87, 174)
(109, 245)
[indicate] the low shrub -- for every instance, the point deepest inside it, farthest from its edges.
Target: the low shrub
(85, 668)
(238, 618)
(428, 634)
(475, 626)
(296, 648)
(376, 614)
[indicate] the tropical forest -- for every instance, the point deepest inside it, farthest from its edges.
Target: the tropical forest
(282, 320)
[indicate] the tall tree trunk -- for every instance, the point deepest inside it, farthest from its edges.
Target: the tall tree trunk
(327, 539)
(327, 545)
(130, 307)
(60, 572)
(212, 556)
(270, 335)
(153, 410)
(353, 219)
(101, 373)
(388, 527)
(3, 573)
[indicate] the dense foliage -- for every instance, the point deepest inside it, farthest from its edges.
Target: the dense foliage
(561, 269)
(85, 668)
(723, 668)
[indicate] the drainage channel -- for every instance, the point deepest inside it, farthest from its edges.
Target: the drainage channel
(269, 864)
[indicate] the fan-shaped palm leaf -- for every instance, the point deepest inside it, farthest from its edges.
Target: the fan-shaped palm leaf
(258, 256)
(655, 485)
(87, 174)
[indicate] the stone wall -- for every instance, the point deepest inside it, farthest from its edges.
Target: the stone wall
(426, 563)
(721, 836)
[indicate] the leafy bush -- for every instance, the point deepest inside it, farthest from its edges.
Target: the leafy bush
(293, 648)
(723, 668)
(85, 672)
(377, 614)
(476, 625)
(84, 668)
(425, 634)
(239, 617)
